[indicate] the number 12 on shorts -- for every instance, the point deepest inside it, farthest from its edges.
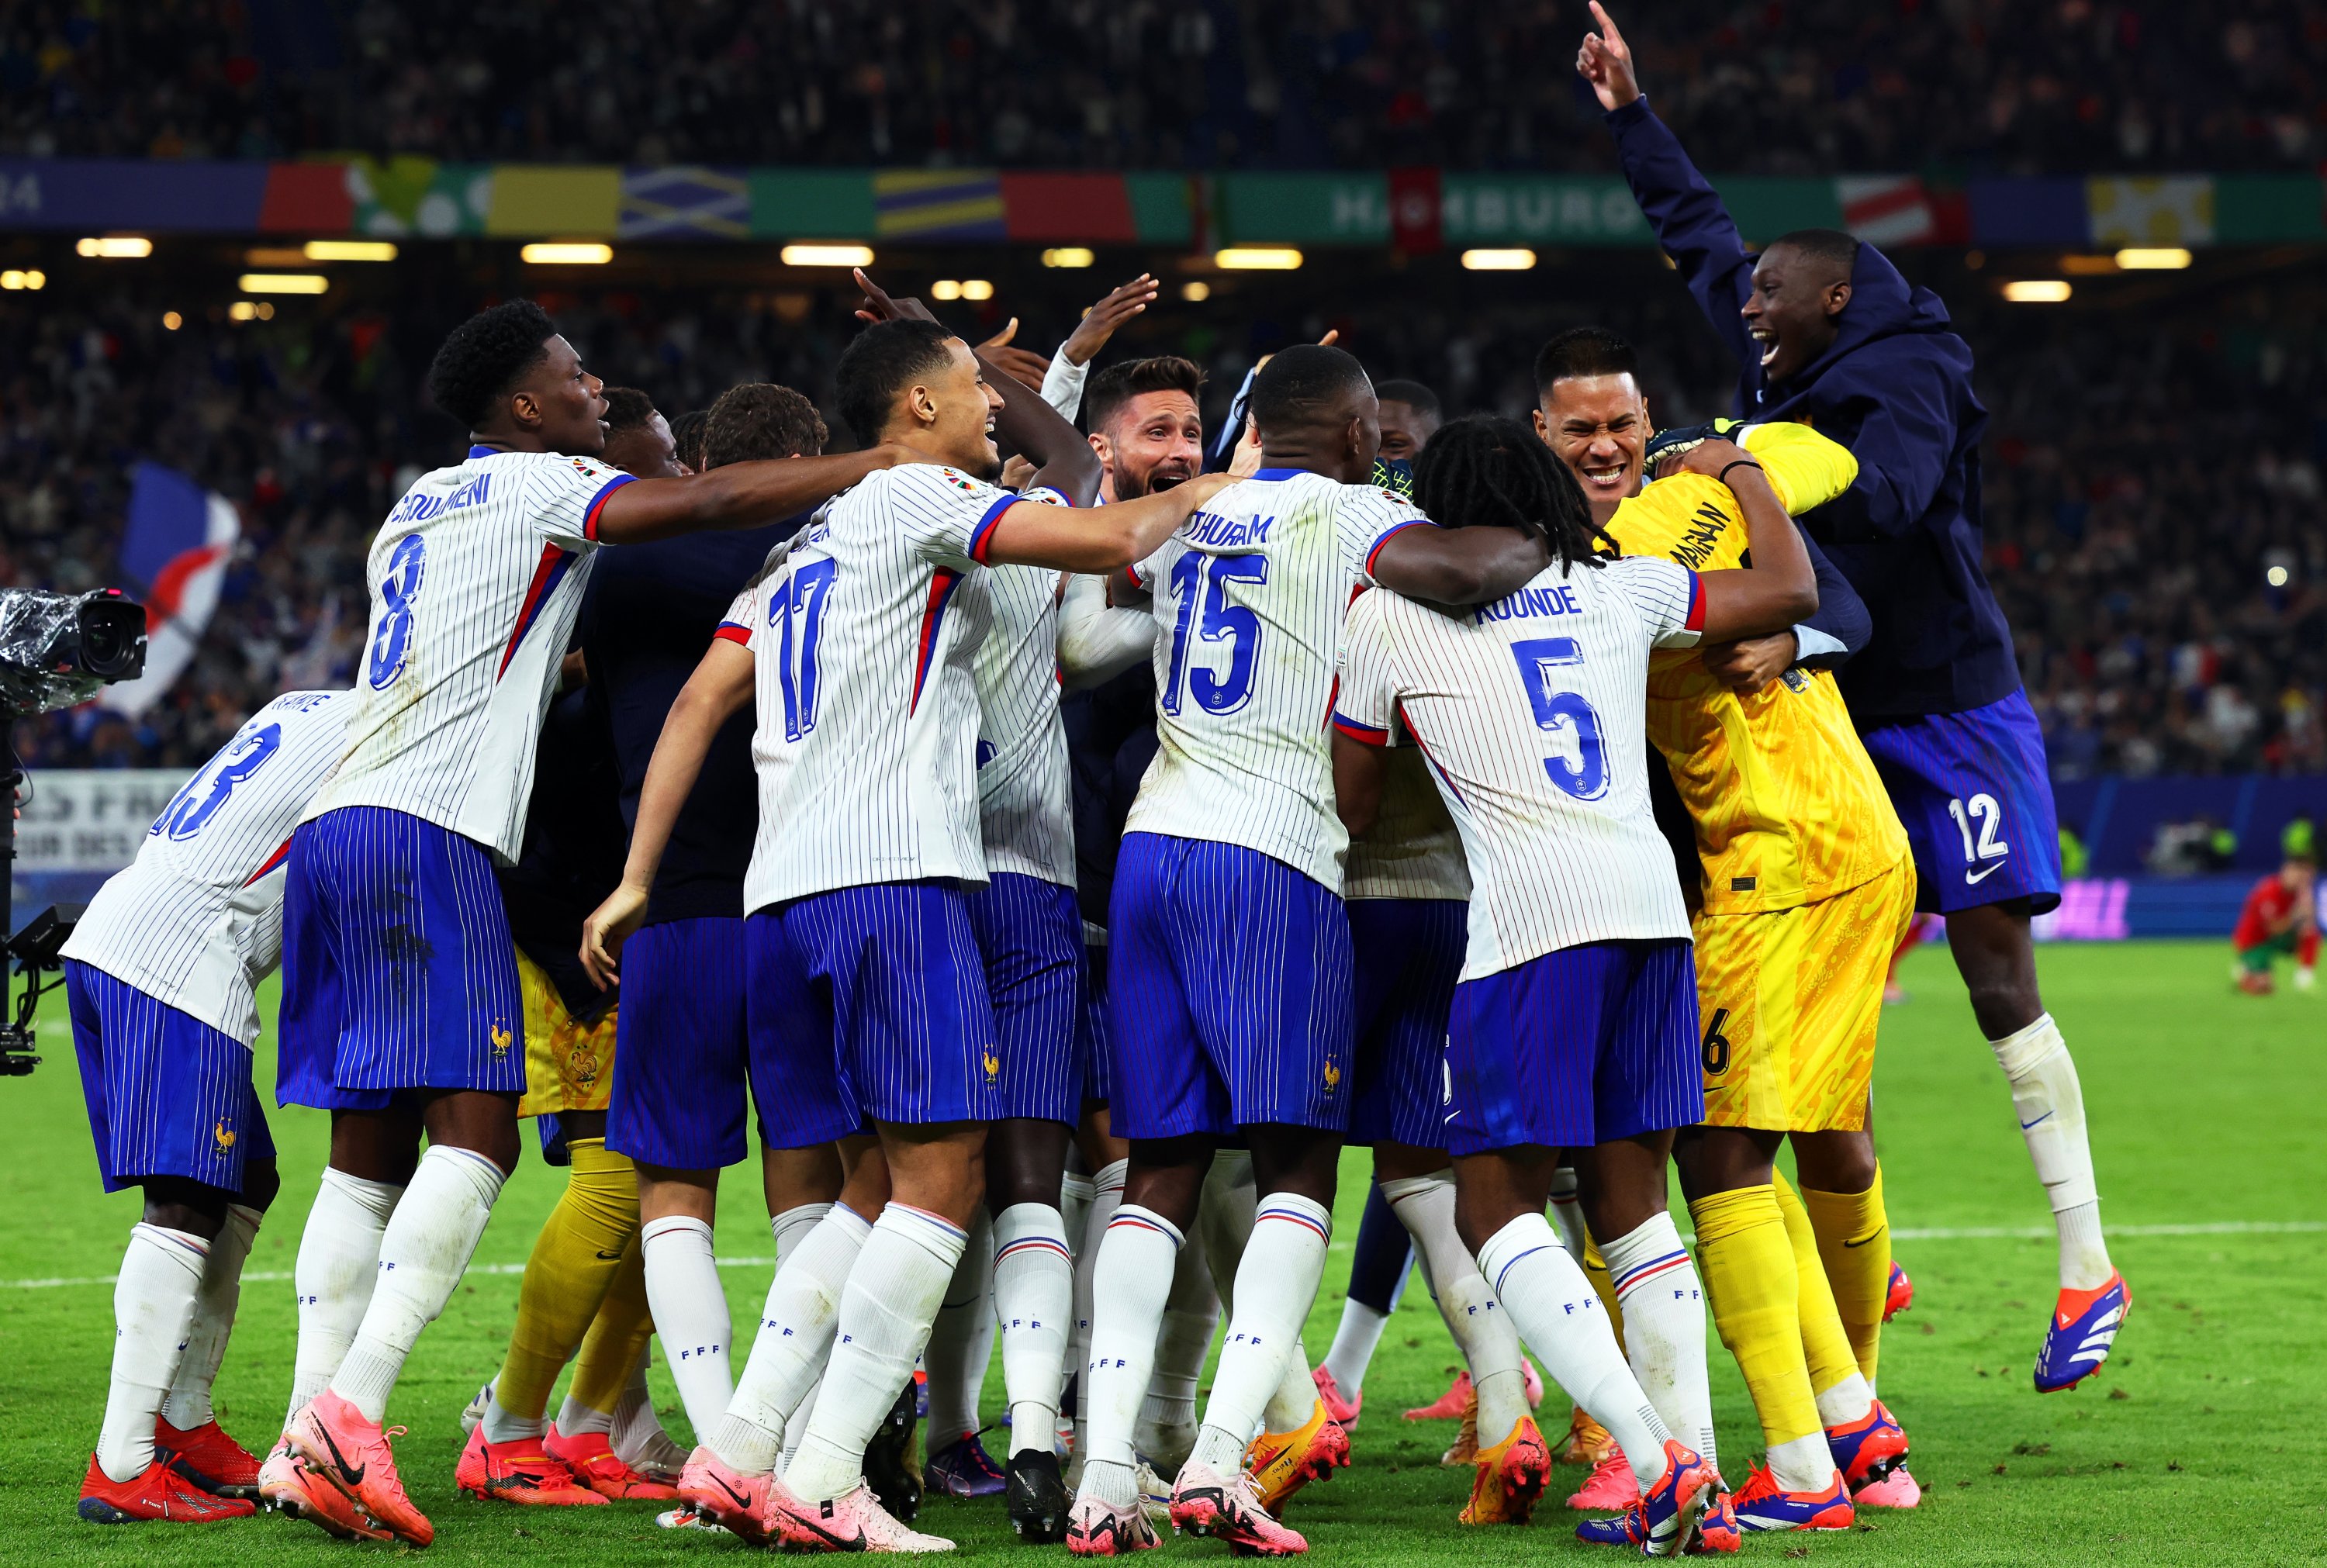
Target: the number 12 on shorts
(1980, 844)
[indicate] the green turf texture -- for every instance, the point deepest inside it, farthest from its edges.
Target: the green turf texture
(2198, 1443)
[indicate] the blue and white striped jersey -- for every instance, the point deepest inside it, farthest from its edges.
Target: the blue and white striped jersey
(863, 628)
(1249, 597)
(196, 920)
(1533, 713)
(476, 578)
(1024, 807)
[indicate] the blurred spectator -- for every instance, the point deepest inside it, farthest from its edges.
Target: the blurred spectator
(1807, 86)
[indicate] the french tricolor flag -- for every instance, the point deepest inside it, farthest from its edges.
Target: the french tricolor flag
(173, 555)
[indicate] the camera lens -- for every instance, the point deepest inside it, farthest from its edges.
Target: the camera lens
(112, 639)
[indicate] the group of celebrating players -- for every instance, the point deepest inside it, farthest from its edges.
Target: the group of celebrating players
(1069, 857)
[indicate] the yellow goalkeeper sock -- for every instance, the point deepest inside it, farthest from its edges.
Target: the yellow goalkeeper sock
(573, 1263)
(1854, 1243)
(1749, 1273)
(617, 1339)
(1595, 1269)
(1826, 1349)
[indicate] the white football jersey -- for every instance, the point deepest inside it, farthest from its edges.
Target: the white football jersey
(476, 578)
(196, 920)
(1249, 597)
(1414, 850)
(1533, 711)
(863, 628)
(1024, 803)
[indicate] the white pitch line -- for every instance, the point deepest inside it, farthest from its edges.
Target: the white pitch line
(1913, 1232)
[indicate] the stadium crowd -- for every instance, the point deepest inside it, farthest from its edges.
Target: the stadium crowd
(1799, 87)
(2134, 559)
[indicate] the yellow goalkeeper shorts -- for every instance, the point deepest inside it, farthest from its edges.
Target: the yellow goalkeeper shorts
(1789, 1001)
(568, 1066)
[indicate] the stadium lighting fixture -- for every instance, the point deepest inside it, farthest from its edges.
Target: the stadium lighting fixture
(1069, 256)
(2152, 258)
(827, 256)
(976, 288)
(2037, 291)
(946, 288)
(250, 310)
(1257, 259)
(1518, 260)
(282, 283)
(2091, 266)
(273, 258)
(172, 321)
(567, 253)
(2276, 577)
(1195, 291)
(350, 250)
(116, 246)
(33, 278)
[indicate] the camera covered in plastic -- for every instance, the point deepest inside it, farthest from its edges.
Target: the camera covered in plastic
(60, 650)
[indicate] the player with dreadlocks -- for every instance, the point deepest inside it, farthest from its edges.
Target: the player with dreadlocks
(1575, 1024)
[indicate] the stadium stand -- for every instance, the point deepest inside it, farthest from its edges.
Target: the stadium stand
(1780, 88)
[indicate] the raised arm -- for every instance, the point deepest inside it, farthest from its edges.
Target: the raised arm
(719, 687)
(1691, 224)
(1097, 539)
(1459, 565)
(740, 495)
(1780, 589)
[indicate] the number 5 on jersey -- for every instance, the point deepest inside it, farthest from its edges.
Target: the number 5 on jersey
(1581, 768)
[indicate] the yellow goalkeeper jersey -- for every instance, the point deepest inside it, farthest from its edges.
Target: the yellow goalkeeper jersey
(1787, 804)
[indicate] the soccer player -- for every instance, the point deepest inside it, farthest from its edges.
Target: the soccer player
(584, 1287)
(161, 974)
(867, 987)
(1410, 417)
(2277, 917)
(1827, 332)
(1806, 888)
(1574, 1026)
(400, 996)
(1228, 946)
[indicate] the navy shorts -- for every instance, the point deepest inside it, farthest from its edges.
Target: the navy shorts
(1031, 933)
(1229, 982)
(1975, 796)
(398, 970)
(167, 1094)
(1094, 1046)
(1409, 955)
(870, 1003)
(1581, 1046)
(683, 1047)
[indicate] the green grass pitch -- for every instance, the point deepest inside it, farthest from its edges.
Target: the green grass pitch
(2188, 1449)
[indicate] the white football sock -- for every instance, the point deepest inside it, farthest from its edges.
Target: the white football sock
(423, 1254)
(154, 1301)
(575, 1417)
(636, 1434)
(1133, 1281)
(1657, 1284)
(1567, 1213)
(1847, 1402)
(1166, 1430)
(1276, 1284)
(1224, 1218)
(1804, 1464)
(2050, 1107)
(1034, 1296)
(1425, 1205)
(1075, 1195)
(795, 1336)
(690, 1315)
(791, 1227)
(1295, 1398)
(961, 1340)
(1559, 1316)
(1106, 1196)
(189, 1403)
(1355, 1339)
(338, 1263)
(885, 1312)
